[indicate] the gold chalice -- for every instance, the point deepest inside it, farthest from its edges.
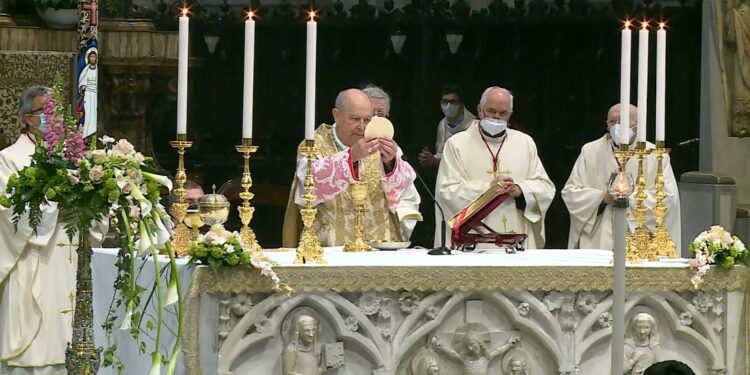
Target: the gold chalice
(214, 209)
(359, 194)
(194, 222)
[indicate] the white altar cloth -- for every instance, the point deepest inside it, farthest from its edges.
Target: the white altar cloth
(335, 256)
(103, 276)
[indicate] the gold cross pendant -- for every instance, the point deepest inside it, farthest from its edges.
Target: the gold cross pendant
(72, 299)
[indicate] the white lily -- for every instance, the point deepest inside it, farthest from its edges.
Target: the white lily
(162, 233)
(171, 291)
(159, 179)
(155, 364)
(145, 204)
(125, 326)
(145, 242)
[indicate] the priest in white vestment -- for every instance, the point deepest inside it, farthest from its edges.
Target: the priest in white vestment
(589, 203)
(489, 153)
(346, 156)
(37, 270)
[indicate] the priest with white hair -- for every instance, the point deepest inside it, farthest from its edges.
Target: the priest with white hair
(587, 197)
(487, 153)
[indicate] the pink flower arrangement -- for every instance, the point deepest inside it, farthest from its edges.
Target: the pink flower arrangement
(715, 246)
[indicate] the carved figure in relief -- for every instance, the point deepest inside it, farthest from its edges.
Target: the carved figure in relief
(471, 350)
(302, 352)
(641, 344)
(516, 362)
(424, 363)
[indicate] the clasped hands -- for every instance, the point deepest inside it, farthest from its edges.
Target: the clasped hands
(506, 182)
(370, 145)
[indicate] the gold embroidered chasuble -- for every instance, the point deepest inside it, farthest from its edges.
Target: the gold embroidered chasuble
(334, 173)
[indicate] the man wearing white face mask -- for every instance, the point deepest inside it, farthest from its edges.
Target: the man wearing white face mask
(457, 119)
(590, 205)
(489, 153)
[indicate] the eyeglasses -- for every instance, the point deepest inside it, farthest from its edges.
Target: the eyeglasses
(34, 111)
(382, 114)
(451, 101)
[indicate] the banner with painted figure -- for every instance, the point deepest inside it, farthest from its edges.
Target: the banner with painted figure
(87, 72)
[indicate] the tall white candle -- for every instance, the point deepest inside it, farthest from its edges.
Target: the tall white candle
(247, 92)
(182, 73)
(661, 74)
(642, 81)
(625, 85)
(312, 38)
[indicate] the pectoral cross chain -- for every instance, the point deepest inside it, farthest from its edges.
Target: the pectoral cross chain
(72, 299)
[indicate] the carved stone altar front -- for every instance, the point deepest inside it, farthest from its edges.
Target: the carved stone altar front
(233, 327)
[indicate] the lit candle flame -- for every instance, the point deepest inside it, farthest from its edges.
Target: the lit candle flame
(250, 14)
(184, 11)
(644, 25)
(311, 14)
(627, 24)
(662, 25)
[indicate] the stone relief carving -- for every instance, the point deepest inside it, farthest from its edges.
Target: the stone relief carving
(470, 348)
(733, 25)
(386, 332)
(516, 362)
(425, 362)
(711, 305)
(303, 353)
(641, 344)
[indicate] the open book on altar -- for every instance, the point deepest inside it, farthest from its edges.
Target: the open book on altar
(467, 228)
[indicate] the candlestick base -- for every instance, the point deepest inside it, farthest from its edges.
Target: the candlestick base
(662, 245)
(246, 211)
(181, 240)
(309, 249)
(638, 242)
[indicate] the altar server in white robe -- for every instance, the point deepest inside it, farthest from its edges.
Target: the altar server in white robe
(489, 153)
(588, 201)
(37, 270)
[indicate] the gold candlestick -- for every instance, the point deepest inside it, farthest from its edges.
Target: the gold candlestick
(622, 155)
(638, 242)
(309, 249)
(359, 194)
(662, 244)
(246, 210)
(181, 240)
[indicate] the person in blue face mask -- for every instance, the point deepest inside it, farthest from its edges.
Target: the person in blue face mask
(456, 119)
(489, 153)
(31, 110)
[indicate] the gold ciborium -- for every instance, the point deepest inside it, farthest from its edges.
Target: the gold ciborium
(359, 195)
(214, 209)
(194, 222)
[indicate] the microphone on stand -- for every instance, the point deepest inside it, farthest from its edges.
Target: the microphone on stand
(441, 250)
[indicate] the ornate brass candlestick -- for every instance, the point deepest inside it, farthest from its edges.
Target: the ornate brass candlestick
(638, 243)
(621, 186)
(246, 210)
(309, 249)
(662, 244)
(181, 240)
(359, 195)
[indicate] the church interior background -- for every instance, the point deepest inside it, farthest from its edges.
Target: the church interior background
(560, 58)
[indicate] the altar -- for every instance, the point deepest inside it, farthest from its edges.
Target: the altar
(404, 312)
